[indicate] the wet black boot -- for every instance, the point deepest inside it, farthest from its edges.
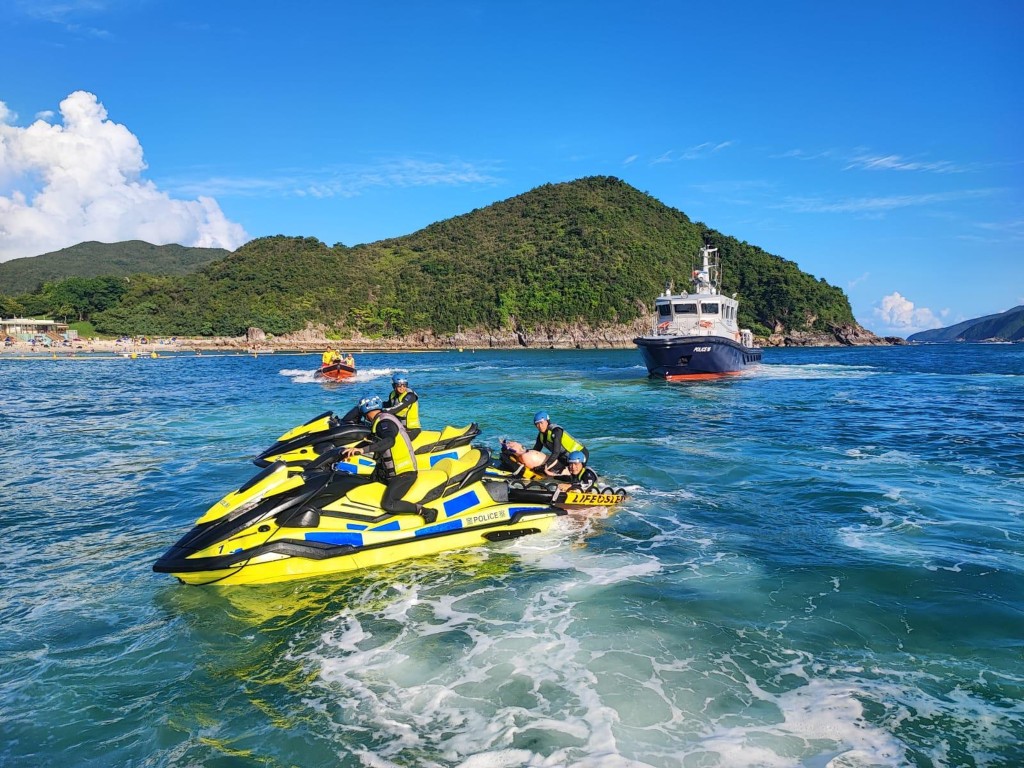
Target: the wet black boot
(428, 514)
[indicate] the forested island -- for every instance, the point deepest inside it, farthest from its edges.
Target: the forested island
(570, 264)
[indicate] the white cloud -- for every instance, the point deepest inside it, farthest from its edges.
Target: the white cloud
(902, 317)
(868, 162)
(344, 181)
(858, 280)
(879, 205)
(65, 184)
(696, 152)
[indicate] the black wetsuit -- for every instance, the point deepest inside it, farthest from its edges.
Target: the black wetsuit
(560, 443)
(584, 481)
(393, 451)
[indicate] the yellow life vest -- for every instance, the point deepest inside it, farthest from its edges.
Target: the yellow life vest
(400, 457)
(569, 443)
(411, 413)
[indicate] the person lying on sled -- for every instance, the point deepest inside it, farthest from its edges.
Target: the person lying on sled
(514, 456)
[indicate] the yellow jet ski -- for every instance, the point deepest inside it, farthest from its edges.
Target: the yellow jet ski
(306, 442)
(282, 526)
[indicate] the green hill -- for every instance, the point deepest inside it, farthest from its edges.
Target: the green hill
(594, 251)
(94, 259)
(1005, 326)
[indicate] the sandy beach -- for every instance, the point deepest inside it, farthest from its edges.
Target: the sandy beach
(157, 348)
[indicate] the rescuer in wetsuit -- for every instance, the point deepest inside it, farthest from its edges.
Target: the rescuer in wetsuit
(396, 463)
(557, 441)
(404, 403)
(580, 476)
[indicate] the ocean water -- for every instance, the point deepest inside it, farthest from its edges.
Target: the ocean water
(820, 565)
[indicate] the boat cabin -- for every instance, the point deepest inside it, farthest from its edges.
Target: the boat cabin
(705, 312)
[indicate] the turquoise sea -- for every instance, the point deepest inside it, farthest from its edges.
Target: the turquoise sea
(821, 564)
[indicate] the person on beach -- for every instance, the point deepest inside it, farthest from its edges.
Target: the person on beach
(557, 441)
(405, 404)
(392, 448)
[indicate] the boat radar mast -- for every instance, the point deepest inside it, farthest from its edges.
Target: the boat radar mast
(707, 278)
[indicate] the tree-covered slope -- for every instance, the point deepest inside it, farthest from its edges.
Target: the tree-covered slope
(94, 259)
(594, 251)
(1005, 326)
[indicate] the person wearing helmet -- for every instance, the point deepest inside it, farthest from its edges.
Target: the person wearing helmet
(404, 403)
(392, 447)
(581, 477)
(557, 441)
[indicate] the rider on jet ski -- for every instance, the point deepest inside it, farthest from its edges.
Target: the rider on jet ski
(396, 462)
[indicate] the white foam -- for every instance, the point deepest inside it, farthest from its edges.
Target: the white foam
(812, 371)
(299, 375)
(362, 375)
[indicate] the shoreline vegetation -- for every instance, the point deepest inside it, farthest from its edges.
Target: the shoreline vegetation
(315, 340)
(568, 265)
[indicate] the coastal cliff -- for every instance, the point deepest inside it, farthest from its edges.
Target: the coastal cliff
(549, 336)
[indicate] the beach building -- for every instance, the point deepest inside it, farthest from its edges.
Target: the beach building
(27, 329)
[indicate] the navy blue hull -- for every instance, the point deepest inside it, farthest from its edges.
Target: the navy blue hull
(694, 357)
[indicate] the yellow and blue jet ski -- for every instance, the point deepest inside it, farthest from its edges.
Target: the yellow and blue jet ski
(305, 442)
(282, 525)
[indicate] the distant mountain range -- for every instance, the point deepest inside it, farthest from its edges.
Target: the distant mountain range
(1006, 326)
(93, 259)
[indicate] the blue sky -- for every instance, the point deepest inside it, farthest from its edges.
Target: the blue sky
(876, 144)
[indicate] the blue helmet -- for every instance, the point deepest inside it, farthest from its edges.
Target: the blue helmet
(370, 403)
(399, 379)
(579, 456)
(540, 416)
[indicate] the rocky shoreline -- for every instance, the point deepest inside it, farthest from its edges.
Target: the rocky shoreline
(317, 338)
(569, 336)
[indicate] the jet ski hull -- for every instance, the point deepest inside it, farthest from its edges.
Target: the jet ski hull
(281, 525)
(298, 557)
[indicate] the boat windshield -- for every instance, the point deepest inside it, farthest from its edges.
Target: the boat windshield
(709, 309)
(686, 309)
(664, 310)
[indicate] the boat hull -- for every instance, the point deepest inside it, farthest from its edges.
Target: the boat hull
(679, 358)
(335, 372)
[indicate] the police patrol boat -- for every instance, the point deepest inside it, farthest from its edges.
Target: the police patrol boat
(696, 335)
